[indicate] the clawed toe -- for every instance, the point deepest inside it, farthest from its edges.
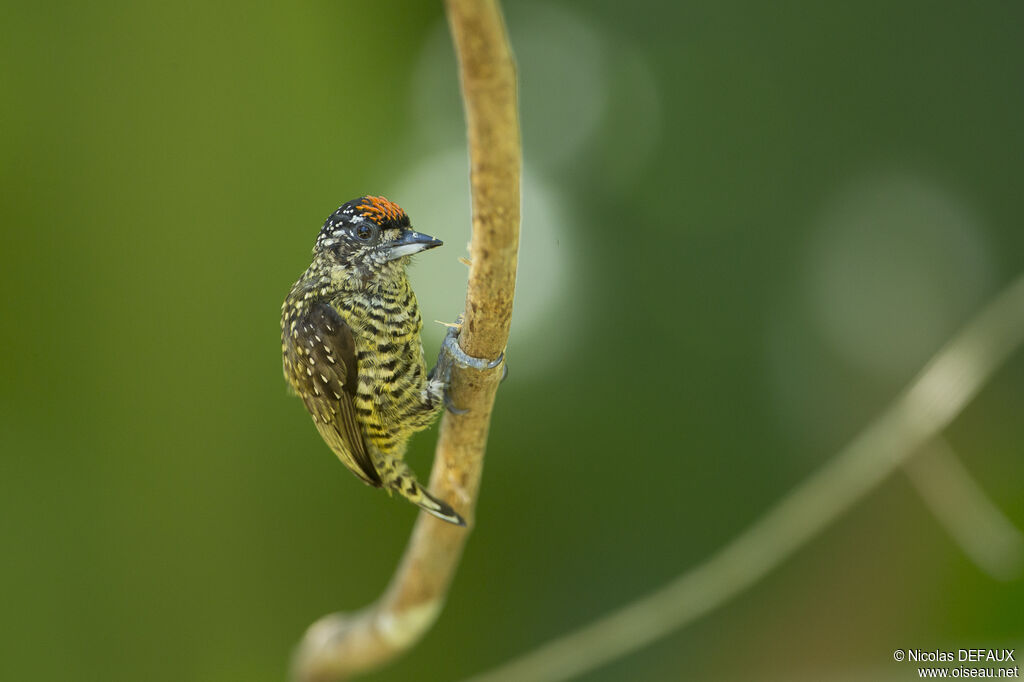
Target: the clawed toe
(459, 356)
(450, 406)
(452, 354)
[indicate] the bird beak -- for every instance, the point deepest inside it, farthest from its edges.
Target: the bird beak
(409, 243)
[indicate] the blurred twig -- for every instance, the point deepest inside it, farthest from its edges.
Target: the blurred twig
(938, 394)
(985, 535)
(340, 645)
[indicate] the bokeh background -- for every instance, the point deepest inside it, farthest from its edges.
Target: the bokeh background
(746, 226)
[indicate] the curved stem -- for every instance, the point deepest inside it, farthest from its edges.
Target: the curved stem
(972, 520)
(340, 645)
(939, 393)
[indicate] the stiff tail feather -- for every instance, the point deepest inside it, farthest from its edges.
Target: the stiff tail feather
(436, 507)
(396, 476)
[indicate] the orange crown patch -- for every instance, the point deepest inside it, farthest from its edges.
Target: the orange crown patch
(380, 210)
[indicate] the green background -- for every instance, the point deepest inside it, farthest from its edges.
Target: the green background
(747, 225)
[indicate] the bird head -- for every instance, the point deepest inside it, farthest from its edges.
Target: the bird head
(370, 238)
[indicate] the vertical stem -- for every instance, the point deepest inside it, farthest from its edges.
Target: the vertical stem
(487, 74)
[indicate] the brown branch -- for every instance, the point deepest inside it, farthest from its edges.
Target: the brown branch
(340, 645)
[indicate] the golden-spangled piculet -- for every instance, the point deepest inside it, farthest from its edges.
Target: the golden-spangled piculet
(350, 338)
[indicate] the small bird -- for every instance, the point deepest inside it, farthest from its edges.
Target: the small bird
(350, 340)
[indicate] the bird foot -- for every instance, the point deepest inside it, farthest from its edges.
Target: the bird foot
(452, 354)
(461, 358)
(450, 405)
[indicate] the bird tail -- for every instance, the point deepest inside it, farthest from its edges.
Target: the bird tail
(436, 507)
(396, 476)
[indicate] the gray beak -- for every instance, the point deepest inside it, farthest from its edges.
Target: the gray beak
(409, 243)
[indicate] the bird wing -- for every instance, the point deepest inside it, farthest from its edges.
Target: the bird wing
(322, 358)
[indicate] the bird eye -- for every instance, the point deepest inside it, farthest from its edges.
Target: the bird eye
(364, 232)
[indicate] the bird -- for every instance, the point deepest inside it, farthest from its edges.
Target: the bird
(351, 348)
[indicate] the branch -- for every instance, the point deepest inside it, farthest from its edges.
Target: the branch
(938, 394)
(985, 535)
(341, 645)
